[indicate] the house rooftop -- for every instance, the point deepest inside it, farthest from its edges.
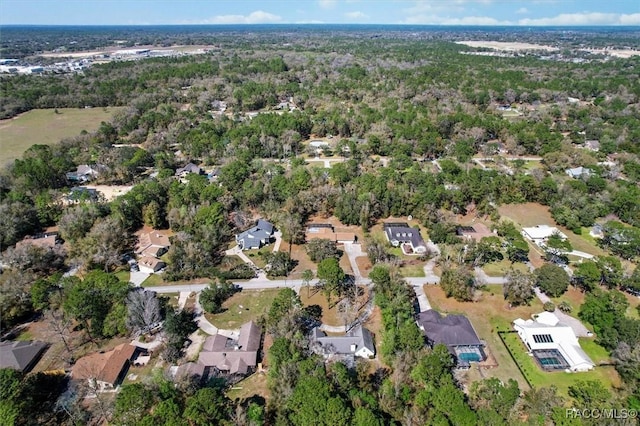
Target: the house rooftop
(20, 355)
(233, 356)
(452, 330)
(105, 367)
(356, 339)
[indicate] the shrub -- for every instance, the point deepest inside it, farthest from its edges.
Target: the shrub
(549, 307)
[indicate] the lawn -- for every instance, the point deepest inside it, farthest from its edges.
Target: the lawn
(243, 307)
(329, 314)
(154, 280)
(607, 375)
(123, 275)
(44, 126)
(499, 269)
(256, 384)
(488, 315)
(257, 255)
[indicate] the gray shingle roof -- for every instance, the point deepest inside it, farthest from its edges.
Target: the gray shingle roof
(20, 355)
(358, 336)
(452, 330)
(405, 235)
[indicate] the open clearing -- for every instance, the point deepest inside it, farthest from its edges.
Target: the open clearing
(242, 307)
(531, 214)
(44, 126)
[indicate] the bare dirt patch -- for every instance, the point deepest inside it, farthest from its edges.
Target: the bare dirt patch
(110, 192)
(364, 265)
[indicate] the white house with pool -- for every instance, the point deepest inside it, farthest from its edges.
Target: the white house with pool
(553, 344)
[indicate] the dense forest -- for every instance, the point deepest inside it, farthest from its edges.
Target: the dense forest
(409, 116)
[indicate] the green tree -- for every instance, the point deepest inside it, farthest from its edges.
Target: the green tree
(552, 279)
(587, 275)
(208, 406)
(494, 395)
(320, 249)
(332, 277)
(458, 283)
(212, 297)
(590, 394)
(132, 404)
(610, 271)
(518, 290)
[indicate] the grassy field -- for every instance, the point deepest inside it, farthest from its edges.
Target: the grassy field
(329, 314)
(531, 214)
(499, 269)
(256, 384)
(254, 304)
(44, 126)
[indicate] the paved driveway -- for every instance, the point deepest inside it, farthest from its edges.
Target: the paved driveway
(137, 278)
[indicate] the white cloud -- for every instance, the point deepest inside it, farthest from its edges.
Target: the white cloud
(256, 17)
(356, 15)
(522, 11)
(585, 18)
(446, 20)
(327, 4)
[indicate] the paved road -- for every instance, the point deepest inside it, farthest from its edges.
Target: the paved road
(353, 251)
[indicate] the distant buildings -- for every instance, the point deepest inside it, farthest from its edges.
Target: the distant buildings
(357, 342)
(85, 173)
(47, 240)
(554, 345)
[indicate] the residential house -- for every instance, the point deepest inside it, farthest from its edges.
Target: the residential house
(326, 231)
(154, 243)
(105, 370)
(400, 234)
(455, 332)
(357, 342)
(82, 194)
(232, 356)
(579, 172)
(150, 265)
(191, 370)
(540, 233)
(257, 236)
(85, 173)
(553, 344)
(21, 355)
(188, 169)
(47, 240)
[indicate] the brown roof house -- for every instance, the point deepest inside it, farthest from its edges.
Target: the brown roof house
(326, 231)
(21, 356)
(104, 371)
(47, 240)
(233, 356)
(152, 245)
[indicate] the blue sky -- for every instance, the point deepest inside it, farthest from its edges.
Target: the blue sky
(447, 12)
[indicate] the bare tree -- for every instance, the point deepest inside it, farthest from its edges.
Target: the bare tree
(143, 309)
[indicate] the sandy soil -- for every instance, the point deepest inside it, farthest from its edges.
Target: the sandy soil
(110, 192)
(623, 53)
(506, 46)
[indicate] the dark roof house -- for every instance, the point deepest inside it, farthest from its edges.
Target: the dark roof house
(403, 235)
(20, 355)
(453, 331)
(357, 342)
(232, 356)
(255, 237)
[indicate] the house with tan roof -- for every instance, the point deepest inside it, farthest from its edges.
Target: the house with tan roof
(154, 243)
(104, 371)
(47, 240)
(232, 356)
(326, 231)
